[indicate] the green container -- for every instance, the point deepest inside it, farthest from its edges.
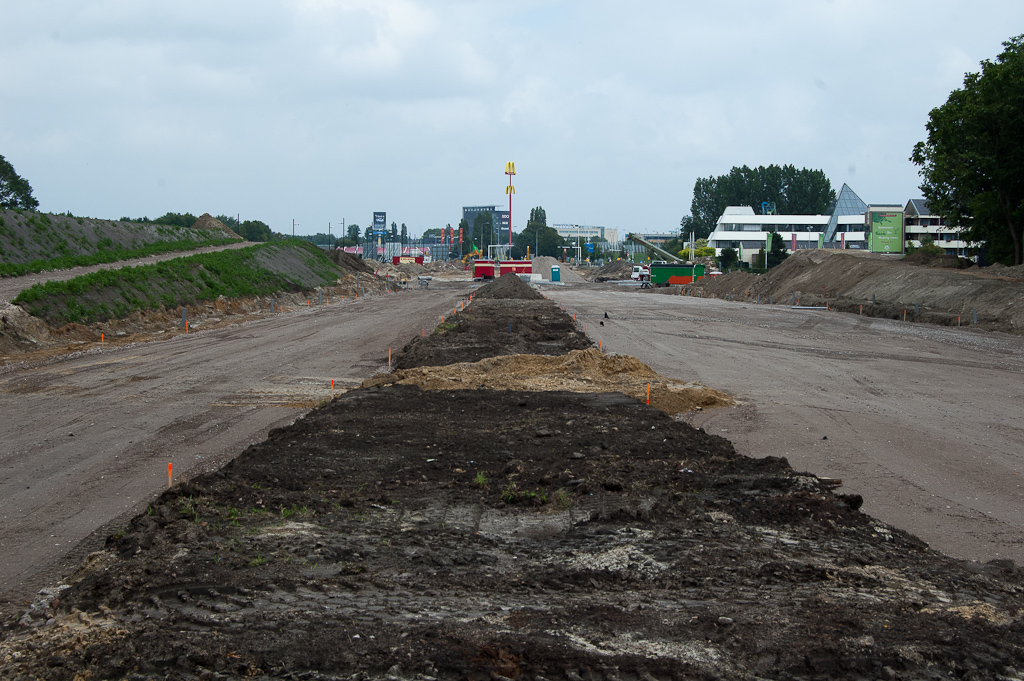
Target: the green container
(556, 273)
(676, 273)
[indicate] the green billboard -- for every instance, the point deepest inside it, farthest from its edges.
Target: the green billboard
(886, 232)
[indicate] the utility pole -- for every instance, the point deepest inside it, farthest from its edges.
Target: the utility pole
(330, 241)
(293, 228)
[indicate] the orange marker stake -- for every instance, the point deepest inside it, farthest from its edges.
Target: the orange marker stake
(332, 388)
(389, 358)
(101, 339)
(584, 328)
(170, 467)
(648, 393)
(186, 327)
(600, 345)
(423, 334)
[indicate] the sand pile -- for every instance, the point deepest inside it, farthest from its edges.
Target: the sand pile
(212, 224)
(581, 371)
(508, 287)
(542, 266)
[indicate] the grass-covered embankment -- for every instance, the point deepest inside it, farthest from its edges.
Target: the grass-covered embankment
(260, 270)
(34, 242)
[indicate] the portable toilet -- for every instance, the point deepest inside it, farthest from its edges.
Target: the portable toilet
(556, 274)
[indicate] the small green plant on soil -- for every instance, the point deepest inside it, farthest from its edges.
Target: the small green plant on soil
(564, 499)
(481, 478)
(189, 507)
(295, 509)
(444, 327)
(257, 561)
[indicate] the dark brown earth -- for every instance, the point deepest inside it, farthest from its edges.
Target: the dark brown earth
(505, 317)
(396, 533)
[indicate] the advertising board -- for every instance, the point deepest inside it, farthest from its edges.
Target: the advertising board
(380, 223)
(886, 231)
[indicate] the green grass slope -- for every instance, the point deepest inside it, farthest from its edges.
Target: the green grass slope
(260, 270)
(33, 242)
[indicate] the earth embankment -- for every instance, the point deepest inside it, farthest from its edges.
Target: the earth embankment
(142, 303)
(882, 286)
(32, 242)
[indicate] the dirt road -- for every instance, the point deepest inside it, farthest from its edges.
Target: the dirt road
(12, 286)
(923, 421)
(87, 440)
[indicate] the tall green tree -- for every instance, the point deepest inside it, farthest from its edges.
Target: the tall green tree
(404, 234)
(483, 226)
(778, 251)
(972, 160)
(538, 237)
(254, 230)
(793, 191)
(15, 191)
(353, 234)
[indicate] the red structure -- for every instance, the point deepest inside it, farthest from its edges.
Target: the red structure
(484, 269)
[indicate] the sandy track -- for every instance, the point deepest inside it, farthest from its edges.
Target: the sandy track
(12, 286)
(87, 440)
(923, 421)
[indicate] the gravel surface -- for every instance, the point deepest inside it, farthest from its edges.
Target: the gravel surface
(923, 421)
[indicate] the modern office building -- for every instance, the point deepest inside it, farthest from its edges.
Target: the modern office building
(747, 232)
(500, 219)
(920, 221)
(586, 232)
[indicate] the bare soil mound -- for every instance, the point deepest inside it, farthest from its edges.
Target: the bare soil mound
(403, 534)
(585, 371)
(616, 270)
(350, 263)
(883, 285)
(211, 224)
(508, 287)
(493, 327)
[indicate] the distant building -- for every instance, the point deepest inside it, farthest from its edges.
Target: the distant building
(742, 229)
(585, 232)
(500, 219)
(919, 221)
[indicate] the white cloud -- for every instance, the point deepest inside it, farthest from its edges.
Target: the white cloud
(319, 109)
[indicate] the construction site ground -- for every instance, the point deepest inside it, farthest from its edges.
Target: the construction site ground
(412, 530)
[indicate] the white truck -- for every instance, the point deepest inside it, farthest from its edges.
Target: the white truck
(642, 274)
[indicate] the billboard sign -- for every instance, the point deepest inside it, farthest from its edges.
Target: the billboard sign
(886, 232)
(380, 223)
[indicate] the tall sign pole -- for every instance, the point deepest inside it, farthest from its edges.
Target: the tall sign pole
(510, 170)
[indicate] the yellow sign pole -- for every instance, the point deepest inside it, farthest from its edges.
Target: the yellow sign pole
(510, 170)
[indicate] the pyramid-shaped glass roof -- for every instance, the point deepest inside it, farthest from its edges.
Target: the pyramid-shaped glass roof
(847, 203)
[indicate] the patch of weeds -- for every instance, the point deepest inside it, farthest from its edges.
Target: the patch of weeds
(481, 478)
(564, 499)
(294, 510)
(189, 507)
(119, 535)
(258, 560)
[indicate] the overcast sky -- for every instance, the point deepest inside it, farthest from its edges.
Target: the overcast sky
(319, 110)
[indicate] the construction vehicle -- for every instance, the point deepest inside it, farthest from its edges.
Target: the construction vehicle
(644, 242)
